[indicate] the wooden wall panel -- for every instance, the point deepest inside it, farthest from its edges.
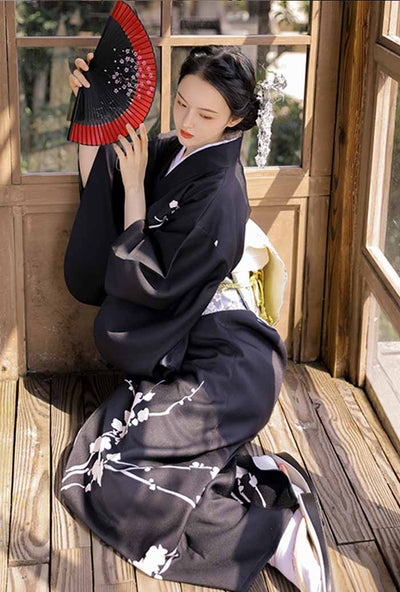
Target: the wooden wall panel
(9, 344)
(59, 329)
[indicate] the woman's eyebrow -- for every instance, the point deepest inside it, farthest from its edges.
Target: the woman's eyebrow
(201, 108)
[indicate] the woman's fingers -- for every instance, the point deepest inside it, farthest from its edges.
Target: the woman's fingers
(134, 137)
(80, 77)
(138, 139)
(125, 144)
(80, 63)
(143, 136)
(118, 151)
(139, 144)
(143, 133)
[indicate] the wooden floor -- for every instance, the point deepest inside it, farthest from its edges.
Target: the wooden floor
(327, 424)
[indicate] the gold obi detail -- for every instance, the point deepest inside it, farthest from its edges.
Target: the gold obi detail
(256, 283)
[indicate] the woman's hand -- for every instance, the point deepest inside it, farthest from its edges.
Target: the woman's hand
(133, 161)
(77, 79)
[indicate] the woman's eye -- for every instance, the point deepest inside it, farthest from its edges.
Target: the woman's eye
(204, 116)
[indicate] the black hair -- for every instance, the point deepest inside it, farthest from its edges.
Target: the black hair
(231, 72)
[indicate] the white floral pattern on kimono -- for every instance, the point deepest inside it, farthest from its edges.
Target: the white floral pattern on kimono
(156, 561)
(99, 460)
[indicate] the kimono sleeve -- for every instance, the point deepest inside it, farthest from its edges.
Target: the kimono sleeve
(99, 220)
(96, 225)
(134, 271)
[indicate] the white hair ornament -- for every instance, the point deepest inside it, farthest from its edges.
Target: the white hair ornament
(265, 88)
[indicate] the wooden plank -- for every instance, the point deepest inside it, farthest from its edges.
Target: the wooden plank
(7, 423)
(192, 588)
(30, 524)
(341, 578)
(112, 573)
(71, 570)
(28, 578)
(366, 568)
(349, 441)
(374, 434)
(319, 457)
(373, 420)
(388, 540)
(260, 584)
(70, 546)
(277, 581)
(146, 583)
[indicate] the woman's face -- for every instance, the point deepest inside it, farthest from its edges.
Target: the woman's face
(200, 110)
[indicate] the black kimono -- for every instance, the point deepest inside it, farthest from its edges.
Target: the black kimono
(159, 471)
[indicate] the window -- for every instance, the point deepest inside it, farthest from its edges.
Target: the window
(275, 36)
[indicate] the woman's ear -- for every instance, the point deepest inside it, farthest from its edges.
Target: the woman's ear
(234, 122)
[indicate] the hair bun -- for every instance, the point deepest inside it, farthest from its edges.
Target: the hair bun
(232, 73)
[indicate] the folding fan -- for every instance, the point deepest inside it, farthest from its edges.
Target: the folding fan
(122, 76)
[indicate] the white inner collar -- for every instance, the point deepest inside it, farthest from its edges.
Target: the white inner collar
(180, 158)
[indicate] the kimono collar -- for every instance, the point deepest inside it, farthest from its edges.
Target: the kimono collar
(212, 158)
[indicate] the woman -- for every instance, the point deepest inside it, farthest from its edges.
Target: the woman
(159, 471)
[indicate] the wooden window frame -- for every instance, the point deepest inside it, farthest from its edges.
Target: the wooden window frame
(166, 41)
(373, 274)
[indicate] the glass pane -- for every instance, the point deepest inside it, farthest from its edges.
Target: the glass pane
(246, 17)
(77, 17)
(394, 24)
(383, 363)
(44, 99)
(390, 222)
(287, 126)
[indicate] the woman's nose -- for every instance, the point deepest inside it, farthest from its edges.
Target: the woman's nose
(188, 120)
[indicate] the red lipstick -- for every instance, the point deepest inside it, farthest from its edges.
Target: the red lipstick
(186, 135)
